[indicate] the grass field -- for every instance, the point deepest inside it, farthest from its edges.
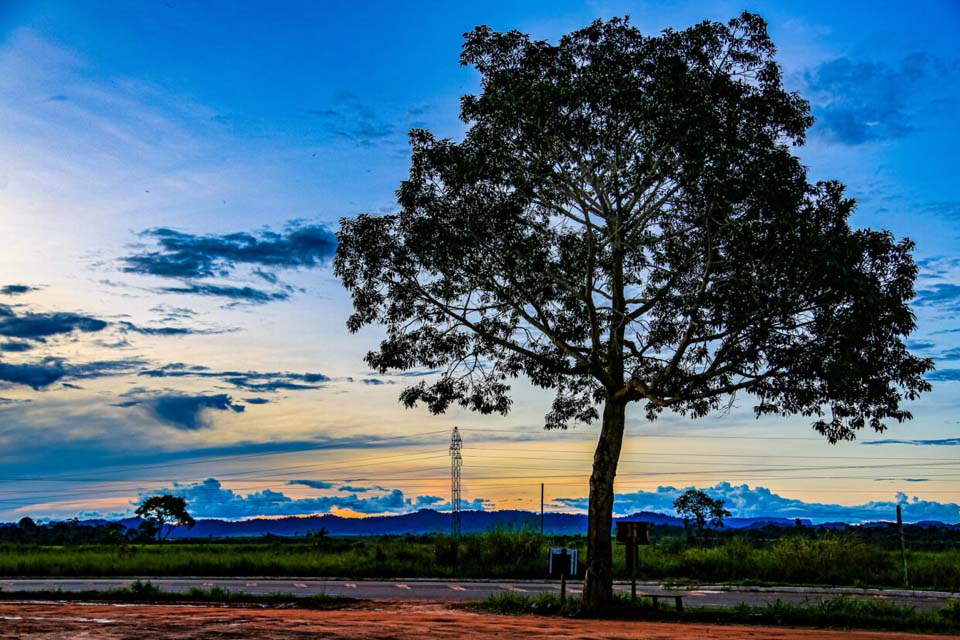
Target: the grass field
(830, 559)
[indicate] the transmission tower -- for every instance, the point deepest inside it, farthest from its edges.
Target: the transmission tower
(456, 462)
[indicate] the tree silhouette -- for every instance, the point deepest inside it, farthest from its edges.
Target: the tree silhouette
(158, 511)
(696, 505)
(624, 222)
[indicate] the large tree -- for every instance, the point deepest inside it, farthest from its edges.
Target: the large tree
(624, 222)
(698, 506)
(158, 512)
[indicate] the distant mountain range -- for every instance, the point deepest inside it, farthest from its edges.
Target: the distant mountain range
(428, 521)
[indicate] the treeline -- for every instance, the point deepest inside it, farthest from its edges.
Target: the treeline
(881, 535)
(72, 532)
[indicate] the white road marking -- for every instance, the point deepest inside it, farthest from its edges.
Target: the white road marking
(456, 587)
(575, 590)
(299, 585)
(351, 585)
(251, 584)
(512, 588)
(207, 584)
(402, 586)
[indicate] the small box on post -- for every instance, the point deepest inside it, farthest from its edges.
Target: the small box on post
(639, 532)
(633, 534)
(562, 563)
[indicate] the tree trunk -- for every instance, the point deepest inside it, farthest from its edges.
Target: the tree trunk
(598, 586)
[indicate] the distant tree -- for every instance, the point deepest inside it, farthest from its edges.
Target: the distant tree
(320, 538)
(27, 527)
(27, 524)
(699, 507)
(161, 511)
(625, 222)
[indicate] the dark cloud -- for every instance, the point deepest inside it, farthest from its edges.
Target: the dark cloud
(354, 489)
(36, 376)
(105, 368)
(746, 502)
(417, 374)
(272, 278)
(15, 347)
(43, 373)
(37, 326)
(351, 120)
(187, 412)
(209, 499)
(944, 375)
(15, 289)
(375, 381)
(944, 295)
(267, 386)
(919, 345)
(257, 381)
(313, 484)
(256, 400)
(168, 331)
(190, 256)
(937, 265)
(857, 102)
(241, 294)
(172, 314)
(950, 354)
(943, 442)
(5, 402)
(121, 343)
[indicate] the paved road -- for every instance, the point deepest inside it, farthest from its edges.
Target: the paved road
(703, 596)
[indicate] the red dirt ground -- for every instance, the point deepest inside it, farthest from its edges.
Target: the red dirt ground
(381, 620)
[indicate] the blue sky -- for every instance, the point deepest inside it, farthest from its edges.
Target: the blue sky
(171, 174)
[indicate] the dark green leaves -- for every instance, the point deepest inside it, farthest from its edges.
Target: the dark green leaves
(624, 219)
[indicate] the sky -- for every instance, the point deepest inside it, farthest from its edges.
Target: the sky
(171, 177)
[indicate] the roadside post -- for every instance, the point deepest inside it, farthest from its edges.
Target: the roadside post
(562, 562)
(633, 534)
(903, 547)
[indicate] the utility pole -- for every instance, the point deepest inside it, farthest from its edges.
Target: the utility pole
(903, 546)
(456, 462)
(541, 509)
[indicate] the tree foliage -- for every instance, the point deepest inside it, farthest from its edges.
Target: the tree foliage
(625, 221)
(696, 505)
(625, 217)
(160, 511)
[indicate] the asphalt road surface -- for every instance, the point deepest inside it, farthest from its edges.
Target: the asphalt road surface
(701, 596)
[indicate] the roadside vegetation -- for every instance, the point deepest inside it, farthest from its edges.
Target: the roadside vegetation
(147, 592)
(858, 556)
(840, 612)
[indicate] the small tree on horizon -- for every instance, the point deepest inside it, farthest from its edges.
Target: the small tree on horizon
(698, 506)
(625, 222)
(161, 512)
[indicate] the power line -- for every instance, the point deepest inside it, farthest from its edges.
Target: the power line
(627, 457)
(257, 454)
